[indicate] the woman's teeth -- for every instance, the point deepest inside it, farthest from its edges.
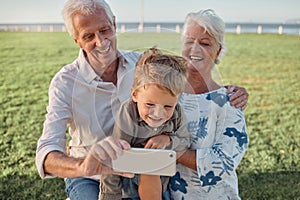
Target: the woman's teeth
(196, 58)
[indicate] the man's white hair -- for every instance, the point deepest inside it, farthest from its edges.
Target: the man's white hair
(85, 7)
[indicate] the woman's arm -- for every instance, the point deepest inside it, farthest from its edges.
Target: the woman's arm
(222, 158)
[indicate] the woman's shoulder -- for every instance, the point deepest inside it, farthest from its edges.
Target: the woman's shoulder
(218, 96)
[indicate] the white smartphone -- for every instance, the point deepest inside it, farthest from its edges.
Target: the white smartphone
(147, 161)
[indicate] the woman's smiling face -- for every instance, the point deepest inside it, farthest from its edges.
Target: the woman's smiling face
(200, 48)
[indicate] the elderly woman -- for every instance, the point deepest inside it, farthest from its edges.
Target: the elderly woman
(208, 169)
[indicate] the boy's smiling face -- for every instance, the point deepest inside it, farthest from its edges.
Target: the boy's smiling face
(155, 104)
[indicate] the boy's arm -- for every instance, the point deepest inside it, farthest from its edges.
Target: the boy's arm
(180, 139)
(122, 127)
(158, 142)
(187, 158)
(111, 185)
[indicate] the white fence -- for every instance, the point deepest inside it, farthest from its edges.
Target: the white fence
(33, 27)
(293, 29)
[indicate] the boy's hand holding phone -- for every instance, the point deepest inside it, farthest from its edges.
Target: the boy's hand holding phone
(158, 142)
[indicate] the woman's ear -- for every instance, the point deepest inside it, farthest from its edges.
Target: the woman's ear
(217, 61)
(219, 50)
(114, 23)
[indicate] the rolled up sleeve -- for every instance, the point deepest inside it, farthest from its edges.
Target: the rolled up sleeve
(54, 130)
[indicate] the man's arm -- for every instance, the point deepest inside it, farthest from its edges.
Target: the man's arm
(240, 97)
(61, 165)
(98, 160)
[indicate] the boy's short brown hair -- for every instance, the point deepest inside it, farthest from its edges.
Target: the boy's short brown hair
(165, 70)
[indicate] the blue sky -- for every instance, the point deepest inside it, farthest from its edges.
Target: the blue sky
(48, 11)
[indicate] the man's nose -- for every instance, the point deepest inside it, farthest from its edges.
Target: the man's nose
(99, 39)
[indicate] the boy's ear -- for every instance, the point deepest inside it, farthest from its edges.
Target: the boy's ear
(133, 95)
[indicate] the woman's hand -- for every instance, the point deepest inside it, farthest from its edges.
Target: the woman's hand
(240, 97)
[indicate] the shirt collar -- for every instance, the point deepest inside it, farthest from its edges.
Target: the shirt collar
(86, 70)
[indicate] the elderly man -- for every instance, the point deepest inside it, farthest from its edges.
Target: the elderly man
(85, 95)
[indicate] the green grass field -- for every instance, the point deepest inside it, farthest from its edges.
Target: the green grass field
(267, 65)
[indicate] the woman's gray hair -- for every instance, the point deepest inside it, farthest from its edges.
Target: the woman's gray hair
(85, 7)
(211, 23)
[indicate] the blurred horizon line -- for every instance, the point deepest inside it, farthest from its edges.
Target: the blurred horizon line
(291, 21)
(230, 27)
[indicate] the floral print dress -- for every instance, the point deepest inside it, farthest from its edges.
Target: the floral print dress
(220, 140)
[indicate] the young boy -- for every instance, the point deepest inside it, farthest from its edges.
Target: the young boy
(152, 118)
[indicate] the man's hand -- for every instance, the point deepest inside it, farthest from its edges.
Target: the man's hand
(240, 97)
(158, 142)
(98, 160)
